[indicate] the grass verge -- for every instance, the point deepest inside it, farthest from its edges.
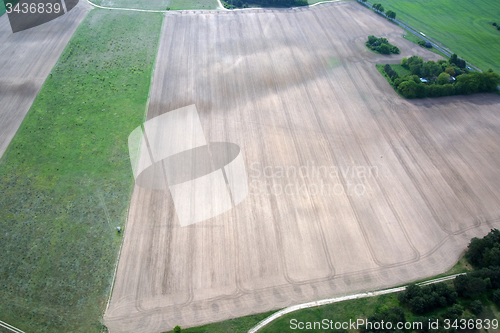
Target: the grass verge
(414, 39)
(65, 179)
(237, 325)
(463, 27)
(159, 4)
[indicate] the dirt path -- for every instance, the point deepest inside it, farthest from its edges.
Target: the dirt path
(26, 59)
(341, 299)
(298, 89)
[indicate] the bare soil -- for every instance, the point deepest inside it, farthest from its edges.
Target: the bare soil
(297, 88)
(26, 59)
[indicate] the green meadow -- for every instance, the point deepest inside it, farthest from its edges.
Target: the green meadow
(465, 27)
(66, 180)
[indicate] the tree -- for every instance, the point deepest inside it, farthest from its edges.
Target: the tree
(384, 49)
(177, 329)
(378, 7)
(443, 78)
(469, 286)
(408, 89)
(454, 312)
(404, 62)
(496, 297)
(372, 39)
(450, 71)
(391, 14)
(476, 307)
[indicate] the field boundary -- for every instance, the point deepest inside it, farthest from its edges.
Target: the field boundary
(206, 10)
(10, 327)
(344, 298)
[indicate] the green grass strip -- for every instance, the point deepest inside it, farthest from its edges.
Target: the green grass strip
(66, 181)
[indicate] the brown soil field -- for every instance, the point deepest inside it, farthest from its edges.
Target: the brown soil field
(26, 59)
(298, 88)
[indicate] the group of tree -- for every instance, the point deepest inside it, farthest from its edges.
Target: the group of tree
(393, 75)
(496, 25)
(425, 299)
(424, 43)
(442, 78)
(390, 14)
(265, 3)
(381, 45)
(454, 59)
(378, 7)
(485, 252)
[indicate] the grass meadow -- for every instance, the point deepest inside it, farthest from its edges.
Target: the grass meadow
(463, 26)
(66, 181)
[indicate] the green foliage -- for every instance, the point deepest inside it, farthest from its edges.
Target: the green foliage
(496, 297)
(404, 62)
(394, 315)
(381, 45)
(476, 307)
(65, 179)
(177, 329)
(384, 49)
(424, 43)
(450, 71)
(469, 286)
(454, 59)
(443, 78)
(428, 298)
(301, 3)
(437, 84)
(444, 21)
(391, 14)
(378, 7)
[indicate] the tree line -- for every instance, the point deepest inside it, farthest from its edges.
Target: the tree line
(441, 78)
(264, 3)
(379, 8)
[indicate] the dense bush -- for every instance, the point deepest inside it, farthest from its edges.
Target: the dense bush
(446, 79)
(378, 7)
(390, 14)
(421, 300)
(391, 72)
(454, 59)
(485, 252)
(381, 45)
(265, 3)
(424, 44)
(496, 297)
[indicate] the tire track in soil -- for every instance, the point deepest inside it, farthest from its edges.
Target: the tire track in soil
(389, 202)
(292, 132)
